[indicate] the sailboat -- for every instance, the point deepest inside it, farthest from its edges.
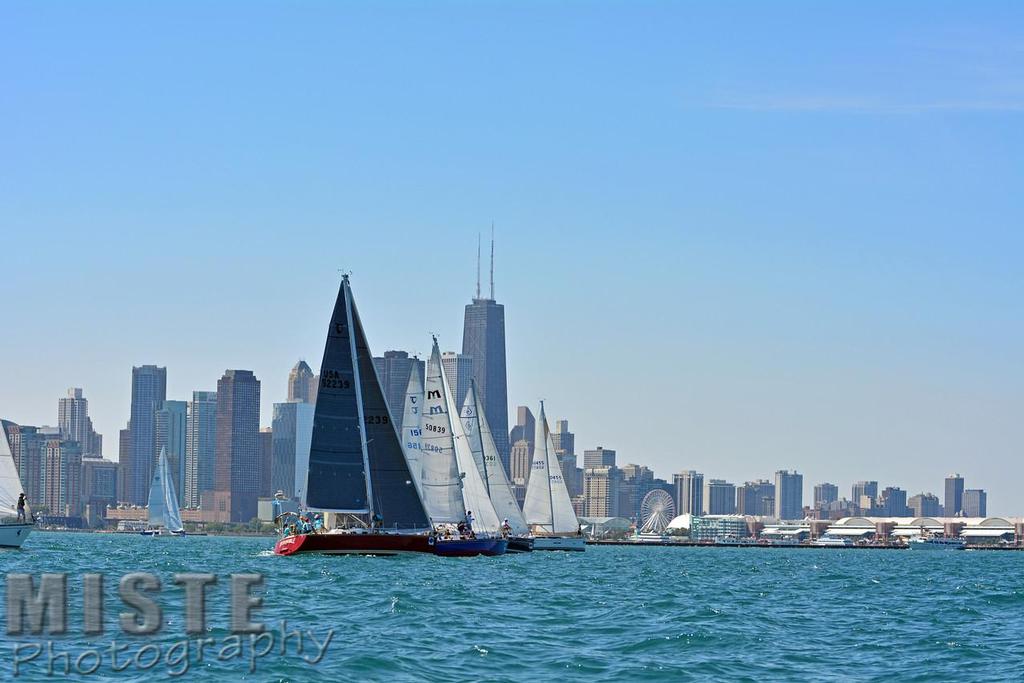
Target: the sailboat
(548, 509)
(358, 472)
(164, 514)
(453, 491)
(485, 454)
(12, 533)
(412, 425)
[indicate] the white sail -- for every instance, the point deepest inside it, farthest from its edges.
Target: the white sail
(474, 491)
(548, 508)
(157, 496)
(440, 483)
(10, 483)
(172, 513)
(412, 426)
(485, 454)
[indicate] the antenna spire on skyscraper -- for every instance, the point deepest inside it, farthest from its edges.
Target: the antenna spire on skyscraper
(492, 260)
(478, 265)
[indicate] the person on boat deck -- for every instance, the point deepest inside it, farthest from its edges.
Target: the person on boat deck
(21, 508)
(378, 521)
(469, 519)
(506, 528)
(318, 523)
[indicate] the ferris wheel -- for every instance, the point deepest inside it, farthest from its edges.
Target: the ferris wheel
(656, 510)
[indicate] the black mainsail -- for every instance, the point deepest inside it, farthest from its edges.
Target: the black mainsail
(352, 470)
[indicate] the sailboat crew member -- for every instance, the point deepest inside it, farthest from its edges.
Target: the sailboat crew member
(506, 528)
(21, 508)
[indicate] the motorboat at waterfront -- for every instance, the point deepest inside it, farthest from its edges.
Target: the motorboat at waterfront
(164, 513)
(13, 532)
(926, 542)
(827, 541)
(548, 509)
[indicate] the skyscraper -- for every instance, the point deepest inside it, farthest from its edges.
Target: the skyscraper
(789, 495)
(599, 457)
(75, 424)
(975, 503)
(634, 483)
(525, 428)
(266, 444)
(953, 503)
(61, 482)
(293, 432)
(893, 502)
(689, 492)
(824, 494)
(124, 441)
(563, 439)
(458, 368)
(171, 422)
(200, 448)
(238, 475)
(756, 498)
(393, 371)
(925, 505)
(719, 497)
(99, 486)
(483, 339)
(519, 463)
(26, 448)
(149, 390)
(862, 489)
(601, 491)
(302, 383)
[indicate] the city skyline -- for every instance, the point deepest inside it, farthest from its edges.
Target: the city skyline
(609, 488)
(713, 254)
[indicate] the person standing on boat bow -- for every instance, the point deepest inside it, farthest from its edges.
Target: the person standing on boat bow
(506, 528)
(21, 508)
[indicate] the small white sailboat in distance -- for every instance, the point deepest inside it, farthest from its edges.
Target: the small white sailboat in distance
(13, 531)
(164, 514)
(548, 508)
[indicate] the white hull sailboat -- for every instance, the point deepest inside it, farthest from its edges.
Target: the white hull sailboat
(12, 532)
(548, 509)
(164, 513)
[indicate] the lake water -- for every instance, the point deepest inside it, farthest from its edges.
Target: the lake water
(612, 613)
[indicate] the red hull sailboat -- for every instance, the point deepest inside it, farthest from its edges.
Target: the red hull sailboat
(357, 469)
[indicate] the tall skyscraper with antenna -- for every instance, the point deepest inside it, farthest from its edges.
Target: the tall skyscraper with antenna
(483, 339)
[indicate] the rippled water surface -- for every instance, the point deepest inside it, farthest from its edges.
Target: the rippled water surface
(612, 613)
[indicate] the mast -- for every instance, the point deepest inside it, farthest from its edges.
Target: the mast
(359, 398)
(547, 463)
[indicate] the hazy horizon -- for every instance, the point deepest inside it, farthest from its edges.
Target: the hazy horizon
(733, 240)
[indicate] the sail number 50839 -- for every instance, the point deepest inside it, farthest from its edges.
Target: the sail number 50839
(435, 428)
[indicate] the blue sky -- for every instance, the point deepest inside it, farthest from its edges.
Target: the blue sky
(730, 237)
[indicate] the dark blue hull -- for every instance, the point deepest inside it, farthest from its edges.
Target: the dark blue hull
(469, 547)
